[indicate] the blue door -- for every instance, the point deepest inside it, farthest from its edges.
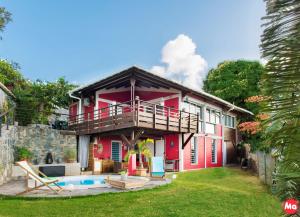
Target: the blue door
(115, 151)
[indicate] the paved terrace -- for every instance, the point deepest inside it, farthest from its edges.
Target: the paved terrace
(16, 186)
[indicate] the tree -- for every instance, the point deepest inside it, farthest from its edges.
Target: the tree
(281, 82)
(36, 100)
(234, 81)
(5, 17)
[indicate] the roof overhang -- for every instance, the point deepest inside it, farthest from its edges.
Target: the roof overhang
(147, 79)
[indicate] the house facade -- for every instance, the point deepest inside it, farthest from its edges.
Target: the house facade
(191, 129)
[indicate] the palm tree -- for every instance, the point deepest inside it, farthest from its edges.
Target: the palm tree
(143, 149)
(281, 83)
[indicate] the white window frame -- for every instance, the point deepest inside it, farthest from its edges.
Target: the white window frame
(120, 146)
(214, 142)
(229, 121)
(195, 141)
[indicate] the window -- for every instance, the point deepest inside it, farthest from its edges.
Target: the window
(214, 151)
(207, 115)
(218, 117)
(116, 151)
(194, 150)
(212, 116)
(194, 109)
(185, 107)
(229, 121)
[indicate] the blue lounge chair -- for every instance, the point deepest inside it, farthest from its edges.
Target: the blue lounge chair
(157, 167)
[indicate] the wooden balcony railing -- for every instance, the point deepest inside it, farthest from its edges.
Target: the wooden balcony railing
(135, 114)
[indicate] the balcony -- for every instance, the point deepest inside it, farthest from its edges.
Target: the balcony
(135, 114)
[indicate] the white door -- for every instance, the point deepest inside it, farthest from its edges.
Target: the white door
(151, 147)
(160, 148)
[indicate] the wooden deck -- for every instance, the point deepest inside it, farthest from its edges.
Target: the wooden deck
(139, 114)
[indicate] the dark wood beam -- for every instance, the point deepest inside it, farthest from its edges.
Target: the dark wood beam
(125, 140)
(184, 143)
(137, 136)
(130, 143)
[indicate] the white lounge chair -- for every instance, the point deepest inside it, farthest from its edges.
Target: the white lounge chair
(44, 181)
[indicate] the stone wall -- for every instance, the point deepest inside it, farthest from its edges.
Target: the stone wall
(41, 139)
(7, 141)
(263, 164)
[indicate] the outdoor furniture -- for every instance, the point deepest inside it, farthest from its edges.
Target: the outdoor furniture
(97, 166)
(157, 167)
(44, 180)
(120, 166)
(129, 183)
(172, 165)
(107, 166)
(53, 170)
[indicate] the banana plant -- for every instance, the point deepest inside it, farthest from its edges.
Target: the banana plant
(143, 149)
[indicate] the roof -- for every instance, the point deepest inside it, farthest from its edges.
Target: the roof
(153, 80)
(6, 90)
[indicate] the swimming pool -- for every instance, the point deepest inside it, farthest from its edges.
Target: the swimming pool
(81, 180)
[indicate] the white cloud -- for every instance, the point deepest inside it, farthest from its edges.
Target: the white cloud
(182, 63)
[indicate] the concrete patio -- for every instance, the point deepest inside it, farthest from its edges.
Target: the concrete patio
(14, 187)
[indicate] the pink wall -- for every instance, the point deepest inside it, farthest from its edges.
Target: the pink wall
(102, 109)
(122, 96)
(88, 112)
(187, 155)
(73, 111)
(149, 95)
(106, 142)
(208, 153)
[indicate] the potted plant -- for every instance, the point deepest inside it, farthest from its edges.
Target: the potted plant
(143, 150)
(124, 175)
(23, 153)
(70, 155)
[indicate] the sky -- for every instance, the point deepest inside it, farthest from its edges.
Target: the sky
(88, 40)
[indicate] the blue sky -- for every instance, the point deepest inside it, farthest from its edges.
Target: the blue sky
(85, 40)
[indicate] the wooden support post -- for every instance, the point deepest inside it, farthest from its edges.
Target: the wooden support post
(168, 119)
(179, 121)
(137, 136)
(137, 112)
(115, 115)
(154, 116)
(126, 141)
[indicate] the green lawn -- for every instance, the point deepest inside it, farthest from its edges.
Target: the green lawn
(209, 192)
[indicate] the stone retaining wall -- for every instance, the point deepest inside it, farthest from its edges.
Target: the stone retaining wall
(7, 141)
(39, 139)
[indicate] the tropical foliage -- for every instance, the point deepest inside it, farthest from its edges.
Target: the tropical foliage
(281, 83)
(36, 100)
(239, 82)
(5, 17)
(143, 149)
(235, 81)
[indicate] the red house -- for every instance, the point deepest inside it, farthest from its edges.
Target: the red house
(191, 129)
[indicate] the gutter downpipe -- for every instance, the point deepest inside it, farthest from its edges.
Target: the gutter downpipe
(80, 102)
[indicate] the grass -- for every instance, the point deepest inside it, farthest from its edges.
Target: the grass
(208, 192)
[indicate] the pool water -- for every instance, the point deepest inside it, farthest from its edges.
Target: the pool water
(81, 181)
